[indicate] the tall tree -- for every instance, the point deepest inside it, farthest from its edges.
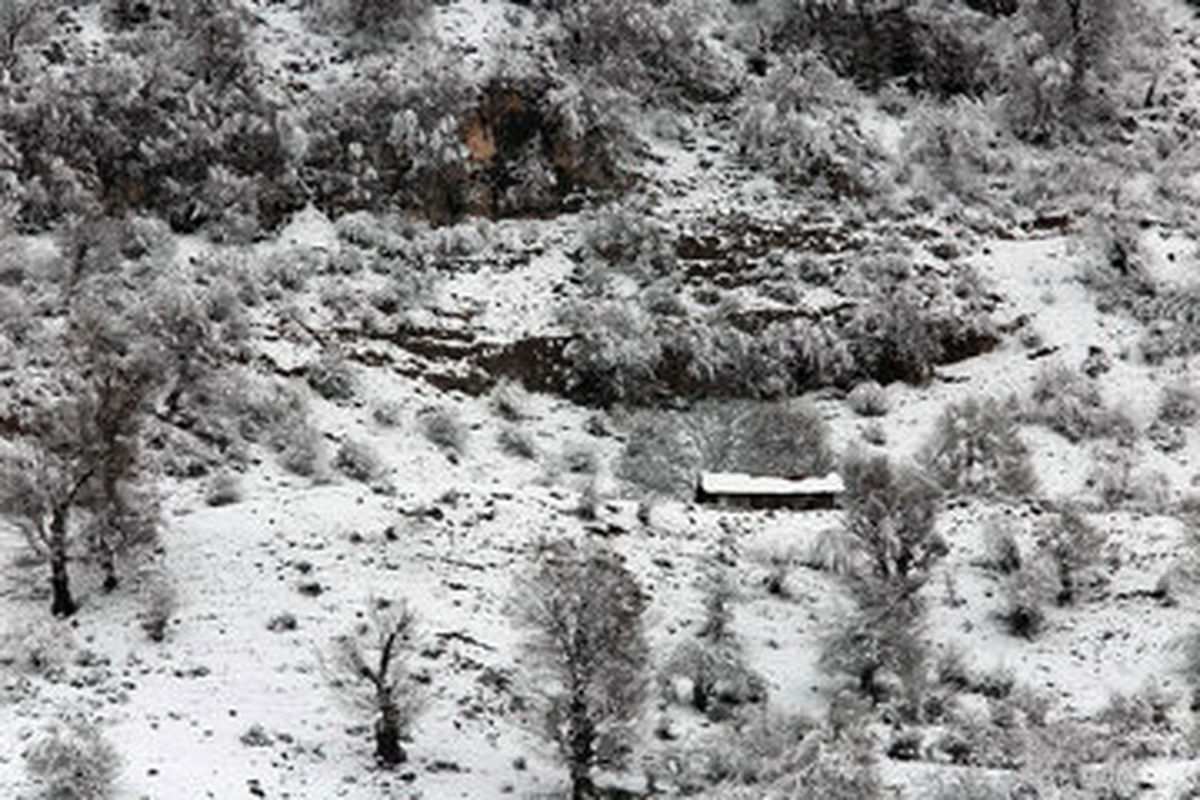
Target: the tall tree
(586, 653)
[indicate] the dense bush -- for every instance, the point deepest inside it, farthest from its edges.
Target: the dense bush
(1072, 544)
(976, 449)
(118, 135)
(868, 399)
(358, 461)
(890, 515)
(720, 680)
(377, 18)
(799, 125)
(1070, 403)
(1022, 613)
(72, 760)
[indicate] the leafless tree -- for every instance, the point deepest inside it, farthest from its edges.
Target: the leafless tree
(586, 654)
(374, 658)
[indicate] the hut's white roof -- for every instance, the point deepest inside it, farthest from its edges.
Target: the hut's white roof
(741, 483)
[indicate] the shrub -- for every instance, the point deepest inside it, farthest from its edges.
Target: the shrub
(516, 442)
(881, 639)
(358, 461)
(444, 429)
(510, 401)
(890, 516)
(799, 126)
(332, 377)
(719, 677)
(301, 450)
(1001, 551)
(72, 760)
(388, 413)
(1022, 613)
(224, 488)
(160, 602)
(976, 449)
(1111, 475)
(1178, 407)
(281, 623)
(1071, 404)
(378, 18)
(868, 399)
(629, 240)
(1072, 544)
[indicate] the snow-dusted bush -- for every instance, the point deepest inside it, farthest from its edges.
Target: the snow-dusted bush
(444, 428)
(1022, 612)
(629, 240)
(510, 401)
(890, 516)
(875, 643)
(1070, 403)
(160, 600)
(1178, 404)
(1072, 544)
(643, 47)
(223, 488)
(868, 399)
(717, 675)
(332, 377)
(952, 149)
(358, 461)
(301, 449)
(71, 759)
(614, 355)
(1064, 62)
(515, 441)
(1001, 552)
(800, 126)
(377, 18)
(976, 449)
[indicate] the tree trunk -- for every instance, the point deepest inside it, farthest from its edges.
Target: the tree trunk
(582, 742)
(61, 603)
(387, 737)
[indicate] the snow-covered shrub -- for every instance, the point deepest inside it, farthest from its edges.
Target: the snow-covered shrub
(1072, 544)
(71, 759)
(358, 461)
(878, 648)
(1071, 404)
(800, 126)
(951, 149)
(224, 488)
(376, 18)
(388, 413)
(1178, 404)
(332, 377)
(717, 676)
(516, 442)
(890, 516)
(976, 449)
(160, 600)
(1064, 62)
(444, 428)
(630, 240)
(1022, 612)
(643, 47)
(1001, 552)
(301, 449)
(510, 401)
(43, 648)
(1111, 475)
(614, 354)
(868, 399)
(22, 23)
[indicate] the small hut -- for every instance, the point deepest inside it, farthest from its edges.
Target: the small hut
(799, 493)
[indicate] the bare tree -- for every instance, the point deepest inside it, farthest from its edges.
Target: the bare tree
(374, 657)
(586, 654)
